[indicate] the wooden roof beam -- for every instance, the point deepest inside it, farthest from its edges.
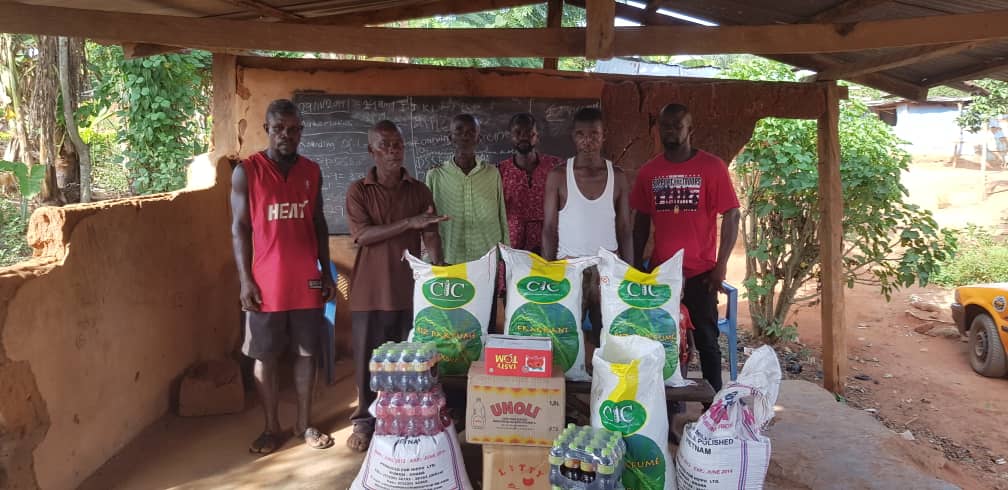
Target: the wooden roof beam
(220, 34)
(817, 62)
(601, 29)
(640, 16)
(142, 50)
(842, 10)
(892, 85)
(415, 11)
(554, 19)
(813, 38)
(893, 60)
(652, 6)
(972, 72)
(969, 88)
(265, 9)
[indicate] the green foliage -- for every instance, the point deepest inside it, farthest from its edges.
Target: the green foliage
(528, 16)
(163, 103)
(13, 227)
(779, 332)
(888, 242)
(985, 107)
(29, 178)
(109, 174)
(981, 258)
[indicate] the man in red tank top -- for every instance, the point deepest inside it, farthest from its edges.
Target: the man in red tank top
(280, 237)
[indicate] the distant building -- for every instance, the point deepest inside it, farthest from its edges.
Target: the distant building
(930, 129)
(637, 66)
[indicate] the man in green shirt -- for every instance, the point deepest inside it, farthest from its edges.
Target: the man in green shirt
(470, 192)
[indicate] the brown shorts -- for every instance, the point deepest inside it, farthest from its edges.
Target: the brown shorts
(269, 334)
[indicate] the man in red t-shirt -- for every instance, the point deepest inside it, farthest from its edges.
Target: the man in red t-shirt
(280, 237)
(682, 191)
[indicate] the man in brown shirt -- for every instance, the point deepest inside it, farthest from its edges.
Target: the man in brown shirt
(388, 211)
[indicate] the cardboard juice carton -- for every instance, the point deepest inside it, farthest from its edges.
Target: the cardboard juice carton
(517, 355)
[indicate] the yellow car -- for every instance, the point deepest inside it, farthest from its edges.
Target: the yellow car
(980, 313)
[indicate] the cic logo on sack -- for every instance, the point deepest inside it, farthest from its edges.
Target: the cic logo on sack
(646, 296)
(448, 292)
(543, 290)
(625, 416)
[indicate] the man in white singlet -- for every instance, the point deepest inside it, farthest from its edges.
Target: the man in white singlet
(587, 206)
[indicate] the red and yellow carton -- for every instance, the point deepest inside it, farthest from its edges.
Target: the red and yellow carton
(517, 355)
(513, 410)
(511, 467)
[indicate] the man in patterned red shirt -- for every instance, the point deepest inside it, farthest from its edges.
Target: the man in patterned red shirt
(524, 178)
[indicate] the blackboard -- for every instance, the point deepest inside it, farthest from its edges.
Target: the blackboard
(336, 127)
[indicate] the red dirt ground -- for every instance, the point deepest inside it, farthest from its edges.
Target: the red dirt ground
(921, 383)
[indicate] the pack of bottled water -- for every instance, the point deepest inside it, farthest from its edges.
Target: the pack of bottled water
(410, 413)
(404, 366)
(586, 458)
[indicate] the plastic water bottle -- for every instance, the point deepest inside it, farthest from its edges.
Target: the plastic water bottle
(428, 405)
(411, 404)
(376, 366)
(395, 408)
(405, 379)
(412, 426)
(388, 367)
(430, 424)
(382, 406)
(572, 465)
(556, 461)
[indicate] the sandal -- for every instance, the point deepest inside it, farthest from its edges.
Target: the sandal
(359, 441)
(315, 439)
(266, 443)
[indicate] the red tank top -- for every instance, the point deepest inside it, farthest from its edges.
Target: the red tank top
(284, 245)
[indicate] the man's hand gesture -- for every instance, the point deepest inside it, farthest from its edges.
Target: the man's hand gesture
(425, 219)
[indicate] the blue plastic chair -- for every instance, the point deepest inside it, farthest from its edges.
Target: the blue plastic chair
(327, 361)
(729, 326)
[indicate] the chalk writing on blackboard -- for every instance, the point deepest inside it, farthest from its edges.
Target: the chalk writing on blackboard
(336, 127)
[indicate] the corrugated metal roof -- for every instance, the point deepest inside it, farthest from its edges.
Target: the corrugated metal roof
(924, 74)
(983, 60)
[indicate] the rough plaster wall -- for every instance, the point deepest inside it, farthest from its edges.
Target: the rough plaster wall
(93, 335)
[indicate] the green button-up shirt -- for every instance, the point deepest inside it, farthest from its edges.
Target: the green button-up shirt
(475, 203)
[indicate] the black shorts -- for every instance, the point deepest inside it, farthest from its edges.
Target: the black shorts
(269, 334)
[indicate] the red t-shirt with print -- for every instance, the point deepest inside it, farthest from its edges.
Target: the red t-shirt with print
(684, 200)
(284, 245)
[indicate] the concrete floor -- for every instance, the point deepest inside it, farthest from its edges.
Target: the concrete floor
(817, 443)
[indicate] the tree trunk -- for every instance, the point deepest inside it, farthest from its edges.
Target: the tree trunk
(69, 108)
(11, 78)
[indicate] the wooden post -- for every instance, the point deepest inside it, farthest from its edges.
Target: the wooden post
(959, 144)
(983, 160)
(554, 18)
(834, 329)
(224, 134)
(600, 33)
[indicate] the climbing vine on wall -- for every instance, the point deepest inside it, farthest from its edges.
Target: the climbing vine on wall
(163, 102)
